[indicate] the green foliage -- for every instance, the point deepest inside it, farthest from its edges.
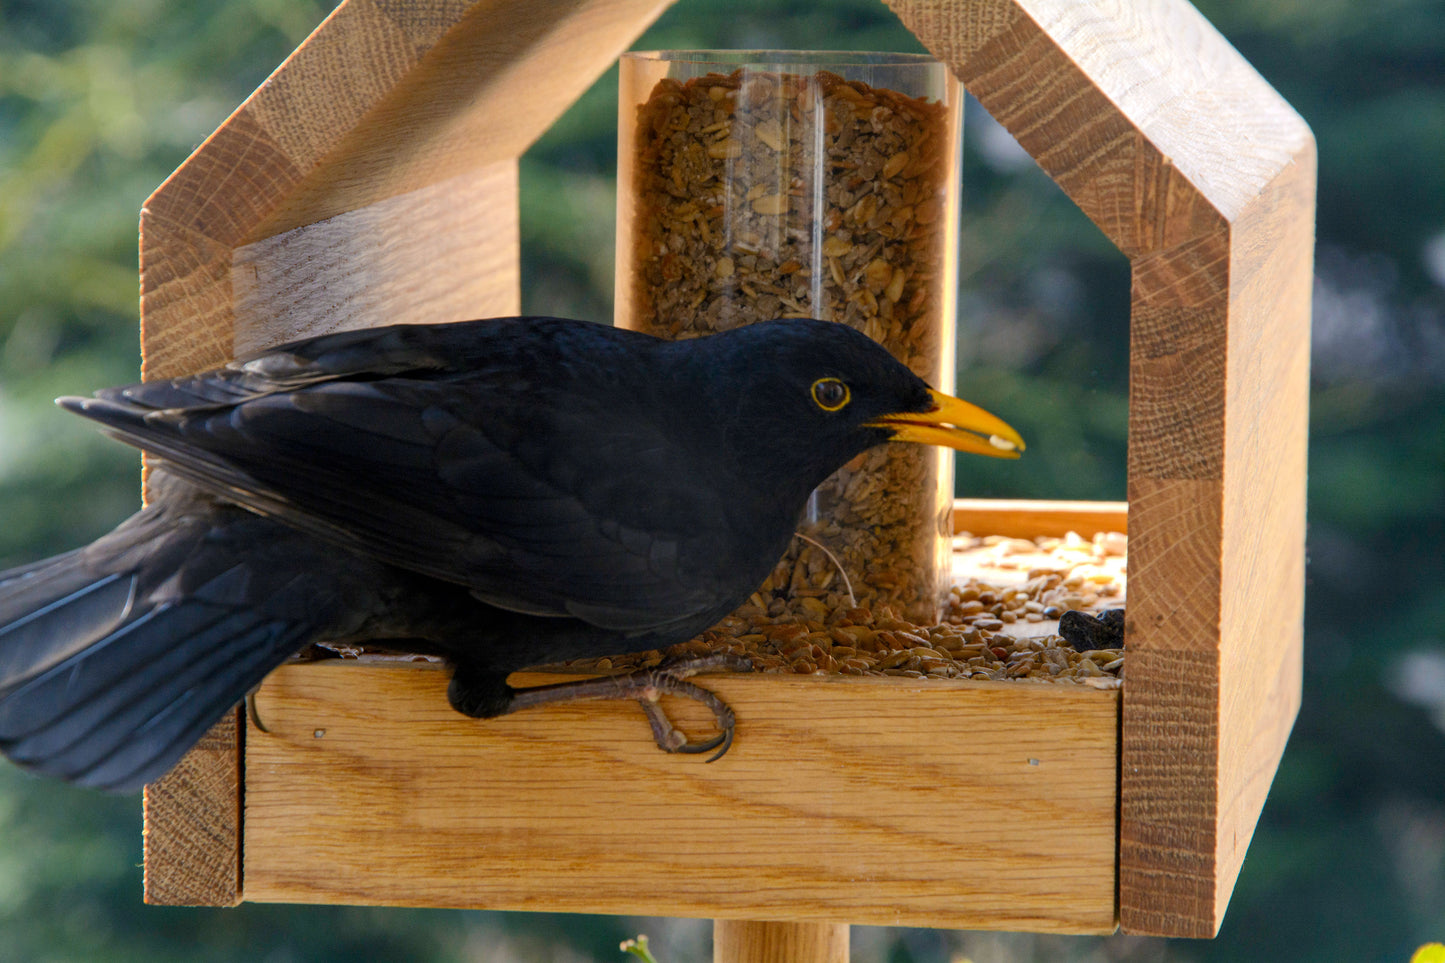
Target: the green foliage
(638, 948)
(99, 101)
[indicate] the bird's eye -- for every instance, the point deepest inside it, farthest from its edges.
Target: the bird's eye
(830, 394)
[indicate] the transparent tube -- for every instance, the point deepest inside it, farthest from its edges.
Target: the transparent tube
(761, 184)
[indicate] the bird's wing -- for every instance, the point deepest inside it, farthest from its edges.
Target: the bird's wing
(366, 353)
(477, 478)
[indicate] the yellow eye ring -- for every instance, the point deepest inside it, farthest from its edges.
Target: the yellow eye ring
(830, 394)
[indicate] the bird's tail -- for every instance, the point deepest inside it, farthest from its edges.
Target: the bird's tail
(116, 658)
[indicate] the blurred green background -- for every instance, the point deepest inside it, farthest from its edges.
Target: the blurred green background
(99, 101)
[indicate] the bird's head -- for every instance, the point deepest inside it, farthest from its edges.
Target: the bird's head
(807, 396)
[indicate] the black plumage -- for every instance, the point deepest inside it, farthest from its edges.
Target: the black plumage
(512, 492)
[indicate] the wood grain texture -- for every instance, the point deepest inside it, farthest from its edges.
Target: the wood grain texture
(1204, 177)
(380, 264)
(480, 91)
(742, 941)
(883, 801)
(1033, 518)
(187, 314)
(192, 825)
(393, 105)
(1266, 436)
(388, 97)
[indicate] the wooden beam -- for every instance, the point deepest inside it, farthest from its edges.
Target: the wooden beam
(1204, 177)
(1266, 436)
(1030, 518)
(832, 805)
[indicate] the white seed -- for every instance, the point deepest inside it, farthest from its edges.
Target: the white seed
(895, 164)
(770, 133)
(771, 204)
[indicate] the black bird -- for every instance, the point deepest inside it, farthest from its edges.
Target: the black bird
(512, 492)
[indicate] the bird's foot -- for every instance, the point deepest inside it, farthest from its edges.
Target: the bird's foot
(648, 686)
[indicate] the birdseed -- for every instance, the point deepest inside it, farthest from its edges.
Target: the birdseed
(764, 195)
(784, 633)
(826, 635)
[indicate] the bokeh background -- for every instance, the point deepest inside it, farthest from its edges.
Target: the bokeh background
(99, 101)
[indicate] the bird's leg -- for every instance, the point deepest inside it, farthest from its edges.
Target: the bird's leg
(476, 694)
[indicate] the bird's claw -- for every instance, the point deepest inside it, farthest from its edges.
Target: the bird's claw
(251, 712)
(670, 678)
(669, 738)
(648, 686)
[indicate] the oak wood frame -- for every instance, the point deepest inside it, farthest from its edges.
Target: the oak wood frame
(406, 118)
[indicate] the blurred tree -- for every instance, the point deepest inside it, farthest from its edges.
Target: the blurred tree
(100, 101)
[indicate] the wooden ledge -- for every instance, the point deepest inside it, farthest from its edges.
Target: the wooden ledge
(872, 800)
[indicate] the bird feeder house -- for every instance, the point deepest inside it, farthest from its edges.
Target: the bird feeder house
(372, 179)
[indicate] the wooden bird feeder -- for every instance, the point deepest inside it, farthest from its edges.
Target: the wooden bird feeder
(373, 179)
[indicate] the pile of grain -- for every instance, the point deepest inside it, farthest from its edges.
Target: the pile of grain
(1000, 621)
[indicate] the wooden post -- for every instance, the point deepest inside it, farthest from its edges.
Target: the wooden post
(736, 941)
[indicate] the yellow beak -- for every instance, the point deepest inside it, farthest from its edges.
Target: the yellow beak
(954, 423)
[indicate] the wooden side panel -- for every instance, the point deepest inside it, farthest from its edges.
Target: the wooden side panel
(387, 263)
(193, 825)
(187, 313)
(1218, 428)
(1170, 753)
(386, 97)
(882, 801)
(1266, 433)
(1203, 176)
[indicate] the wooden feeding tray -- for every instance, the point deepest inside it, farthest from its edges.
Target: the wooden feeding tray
(373, 179)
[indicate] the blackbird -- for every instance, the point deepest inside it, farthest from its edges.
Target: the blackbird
(509, 492)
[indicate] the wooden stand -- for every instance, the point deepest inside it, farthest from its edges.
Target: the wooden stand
(372, 179)
(779, 942)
